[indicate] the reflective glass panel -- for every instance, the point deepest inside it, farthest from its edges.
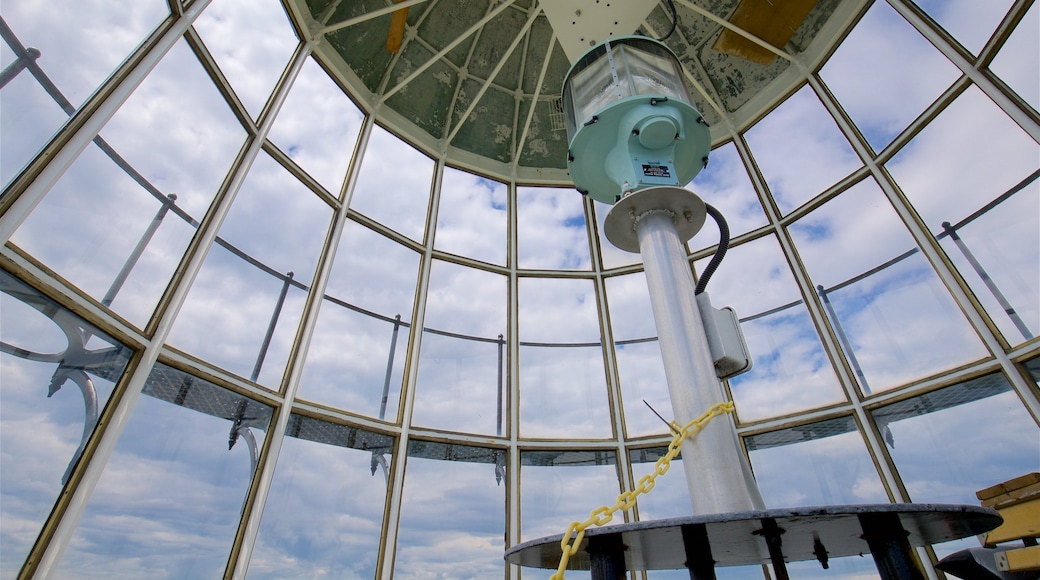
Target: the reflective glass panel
(171, 495)
(252, 68)
(790, 371)
(563, 389)
(800, 150)
(884, 301)
(950, 443)
(29, 117)
(104, 204)
(324, 514)
(824, 463)
(461, 367)
(471, 220)
(78, 49)
(639, 364)
(560, 487)
(611, 256)
(318, 126)
(466, 482)
(243, 308)
(58, 374)
(968, 21)
(725, 185)
(885, 73)
(356, 357)
(973, 168)
(1015, 63)
(550, 229)
(393, 186)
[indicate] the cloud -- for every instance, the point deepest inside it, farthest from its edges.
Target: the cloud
(252, 67)
(318, 126)
(551, 230)
(472, 218)
(393, 185)
(800, 150)
(883, 86)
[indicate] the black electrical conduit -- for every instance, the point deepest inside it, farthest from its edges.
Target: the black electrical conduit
(719, 253)
(675, 21)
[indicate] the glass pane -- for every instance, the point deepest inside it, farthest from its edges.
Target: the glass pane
(472, 217)
(268, 249)
(953, 178)
(91, 221)
(78, 48)
(800, 150)
(550, 229)
(885, 74)
(611, 255)
(324, 514)
(58, 374)
(562, 381)
(461, 366)
(363, 326)
(72, 232)
(790, 371)
(318, 126)
(639, 364)
(29, 117)
(252, 68)
(834, 467)
(560, 487)
(883, 299)
(969, 21)
(386, 193)
(1014, 63)
(171, 495)
(465, 482)
(725, 185)
(941, 461)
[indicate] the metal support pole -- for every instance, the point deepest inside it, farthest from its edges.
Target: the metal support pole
(774, 543)
(890, 546)
(30, 55)
(843, 338)
(699, 560)
(718, 474)
(607, 557)
(1001, 299)
(131, 262)
(270, 327)
(389, 368)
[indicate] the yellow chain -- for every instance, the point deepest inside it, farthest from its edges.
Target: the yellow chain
(602, 515)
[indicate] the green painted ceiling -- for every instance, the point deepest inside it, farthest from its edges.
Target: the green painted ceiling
(499, 136)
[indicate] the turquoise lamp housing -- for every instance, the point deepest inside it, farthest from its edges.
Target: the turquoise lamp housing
(631, 123)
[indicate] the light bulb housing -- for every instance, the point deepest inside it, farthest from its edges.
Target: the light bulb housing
(631, 123)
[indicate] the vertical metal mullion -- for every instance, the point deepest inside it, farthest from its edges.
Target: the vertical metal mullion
(249, 527)
(827, 337)
(931, 249)
(513, 382)
(388, 549)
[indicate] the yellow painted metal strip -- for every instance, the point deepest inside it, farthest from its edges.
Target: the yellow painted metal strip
(1020, 521)
(1019, 560)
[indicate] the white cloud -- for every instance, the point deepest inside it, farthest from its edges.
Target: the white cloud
(253, 66)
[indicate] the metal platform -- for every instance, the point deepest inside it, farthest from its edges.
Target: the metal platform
(700, 543)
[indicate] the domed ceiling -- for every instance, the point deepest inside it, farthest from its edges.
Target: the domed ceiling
(481, 80)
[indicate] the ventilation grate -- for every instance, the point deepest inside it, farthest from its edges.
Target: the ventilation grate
(556, 114)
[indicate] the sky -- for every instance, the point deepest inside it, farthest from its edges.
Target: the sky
(171, 495)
